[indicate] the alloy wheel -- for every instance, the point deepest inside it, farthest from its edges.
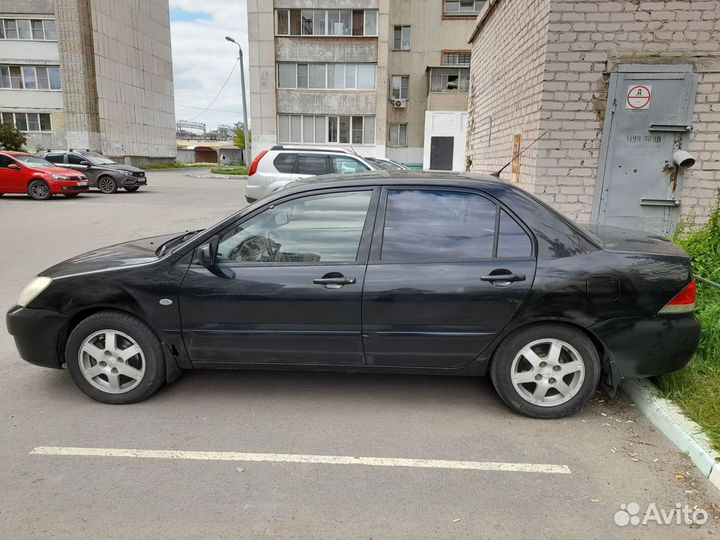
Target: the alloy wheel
(547, 372)
(112, 361)
(39, 190)
(106, 184)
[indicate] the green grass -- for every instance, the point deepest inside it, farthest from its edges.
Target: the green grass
(175, 165)
(230, 170)
(696, 389)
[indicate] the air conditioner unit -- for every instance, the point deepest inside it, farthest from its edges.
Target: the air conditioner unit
(400, 103)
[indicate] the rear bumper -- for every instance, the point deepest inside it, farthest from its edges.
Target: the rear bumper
(642, 348)
(37, 334)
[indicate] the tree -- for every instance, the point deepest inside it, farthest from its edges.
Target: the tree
(11, 138)
(240, 136)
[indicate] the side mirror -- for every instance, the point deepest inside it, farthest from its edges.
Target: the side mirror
(14, 166)
(683, 159)
(206, 255)
(86, 163)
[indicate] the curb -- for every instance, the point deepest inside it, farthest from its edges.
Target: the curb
(683, 432)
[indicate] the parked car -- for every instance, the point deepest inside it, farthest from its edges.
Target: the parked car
(405, 272)
(40, 179)
(273, 169)
(386, 164)
(103, 173)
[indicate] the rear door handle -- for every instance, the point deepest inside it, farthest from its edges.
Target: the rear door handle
(509, 278)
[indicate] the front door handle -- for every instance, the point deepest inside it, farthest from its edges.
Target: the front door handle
(334, 280)
(504, 278)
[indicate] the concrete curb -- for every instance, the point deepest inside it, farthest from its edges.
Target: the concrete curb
(683, 432)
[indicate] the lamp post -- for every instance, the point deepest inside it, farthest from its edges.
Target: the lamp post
(247, 151)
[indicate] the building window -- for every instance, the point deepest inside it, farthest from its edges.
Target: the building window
(331, 76)
(399, 89)
(29, 29)
(450, 80)
(398, 134)
(463, 7)
(28, 122)
(326, 22)
(401, 40)
(296, 128)
(30, 77)
(456, 58)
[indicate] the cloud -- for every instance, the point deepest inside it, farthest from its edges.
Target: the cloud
(202, 59)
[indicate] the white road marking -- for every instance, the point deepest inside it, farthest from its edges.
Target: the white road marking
(301, 458)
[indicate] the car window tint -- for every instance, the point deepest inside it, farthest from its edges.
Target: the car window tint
(55, 158)
(284, 163)
(314, 165)
(513, 241)
(437, 225)
(347, 165)
(75, 159)
(5, 161)
(315, 229)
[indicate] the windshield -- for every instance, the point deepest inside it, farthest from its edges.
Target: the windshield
(97, 159)
(385, 165)
(33, 161)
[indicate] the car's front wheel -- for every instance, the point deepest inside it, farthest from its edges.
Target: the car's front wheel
(107, 184)
(115, 358)
(546, 371)
(39, 190)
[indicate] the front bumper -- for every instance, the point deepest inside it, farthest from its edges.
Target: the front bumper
(128, 181)
(37, 334)
(642, 348)
(67, 187)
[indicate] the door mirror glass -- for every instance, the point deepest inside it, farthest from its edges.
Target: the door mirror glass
(312, 229)
(86, 163)
(14, 166)
(206, 256)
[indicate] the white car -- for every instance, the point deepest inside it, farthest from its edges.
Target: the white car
(273, 169)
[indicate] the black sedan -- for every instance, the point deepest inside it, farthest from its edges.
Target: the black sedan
(386, 272)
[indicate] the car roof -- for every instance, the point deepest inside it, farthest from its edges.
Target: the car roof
(13, 153)
(323, 149)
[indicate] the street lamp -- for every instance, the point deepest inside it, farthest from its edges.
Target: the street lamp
(247, 152)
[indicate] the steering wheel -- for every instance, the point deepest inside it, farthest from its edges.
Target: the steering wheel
(256, 248)
(272, 245)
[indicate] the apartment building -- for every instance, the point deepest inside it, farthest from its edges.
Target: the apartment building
(388, 78)
(94, 74)
(614, 90)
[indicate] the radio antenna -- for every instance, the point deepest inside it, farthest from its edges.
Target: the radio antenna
(520, 153)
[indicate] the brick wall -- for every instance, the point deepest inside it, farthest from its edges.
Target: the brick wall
(584, 42)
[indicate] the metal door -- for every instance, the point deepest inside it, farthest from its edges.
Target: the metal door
(441, 153)
(648, 117)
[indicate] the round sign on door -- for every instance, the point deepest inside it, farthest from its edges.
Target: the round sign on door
(639, 97)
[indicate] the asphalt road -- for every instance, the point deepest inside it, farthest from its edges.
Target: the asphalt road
(613, 455)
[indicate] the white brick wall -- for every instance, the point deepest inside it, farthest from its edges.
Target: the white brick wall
(582, 43)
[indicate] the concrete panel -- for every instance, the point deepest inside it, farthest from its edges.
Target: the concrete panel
(326, 50)
(26, 7)
(447, 101)
(29, 52)
(31, 100)
(326, 102)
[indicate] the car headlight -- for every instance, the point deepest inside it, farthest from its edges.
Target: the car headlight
(60, 177)
(127, 173)
(33, 289)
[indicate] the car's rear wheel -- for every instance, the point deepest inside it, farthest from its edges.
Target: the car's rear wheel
(132, 188)
(546, 371)
(107, 184)
(115, 358)
(39, 190)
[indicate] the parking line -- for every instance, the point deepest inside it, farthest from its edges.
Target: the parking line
(301, 458)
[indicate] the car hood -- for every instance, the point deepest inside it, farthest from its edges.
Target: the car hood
(60, 170)
(125, 255)
(629, 240)
(118, 167)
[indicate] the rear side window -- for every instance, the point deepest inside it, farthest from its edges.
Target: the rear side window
(284, 163)
(430, 225)
(513, 241)
(348, 165)
(313, 165)
(55, 158)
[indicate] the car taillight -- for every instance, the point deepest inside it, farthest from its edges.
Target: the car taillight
(684, 301)
(256, 162)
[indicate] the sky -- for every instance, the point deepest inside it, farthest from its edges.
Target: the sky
(203, 60)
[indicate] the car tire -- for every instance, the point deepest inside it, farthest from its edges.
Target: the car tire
(99, 356)
(533, 374)
(39, 190)
(107, 184)
(132, 188)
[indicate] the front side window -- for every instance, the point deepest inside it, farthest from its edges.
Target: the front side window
(401, 38)
(434, 225)
(55, 158)
(316, 229)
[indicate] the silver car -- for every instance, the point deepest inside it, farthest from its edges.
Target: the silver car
(273, 169)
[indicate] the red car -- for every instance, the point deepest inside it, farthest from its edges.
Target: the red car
(23, 173)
